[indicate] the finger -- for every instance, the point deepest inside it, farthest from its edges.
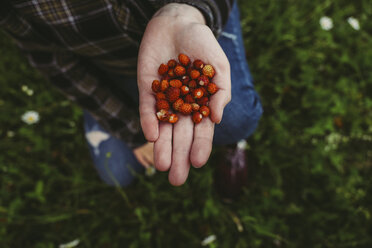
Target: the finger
(223, 96)
(149, 122)
(182, 141)
(163, 147)
(202, 143)
(217, 104)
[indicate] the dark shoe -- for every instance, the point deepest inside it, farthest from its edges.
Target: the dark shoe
(231, 173)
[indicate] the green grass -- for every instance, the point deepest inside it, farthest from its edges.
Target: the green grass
(310, 182)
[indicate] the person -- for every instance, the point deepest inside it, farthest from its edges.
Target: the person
(104, 55)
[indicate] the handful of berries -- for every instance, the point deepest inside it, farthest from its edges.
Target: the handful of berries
(184, 88)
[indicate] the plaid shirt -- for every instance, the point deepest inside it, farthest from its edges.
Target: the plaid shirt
(71, 41)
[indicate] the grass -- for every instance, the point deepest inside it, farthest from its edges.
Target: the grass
(310, 182)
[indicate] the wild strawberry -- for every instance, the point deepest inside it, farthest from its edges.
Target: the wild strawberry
(155, 86)
(197, 117)
(195, 107)
(165, 77)
(164, 85)
(204, 110)
(185, 79)
(171, 73)
(205, 92)
(212, 88)
(188, 71)
(189, 98)
(162, 104)
(160, 96)
(162, 115)
(173, 94)
(175, 83)
(198, 64)
(163, 68)
(186, 108)
(172, 63)
(173, 118)
(184, 90)
(179, 70)
(183, 59)
(203, 80)
(192, 84)
(197, 93)
(194, 74)
(177, 104)
(203, 101)
(208, 70)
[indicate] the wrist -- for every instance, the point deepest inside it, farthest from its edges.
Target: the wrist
(184, 11)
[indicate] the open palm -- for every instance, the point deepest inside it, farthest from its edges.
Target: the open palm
(178, 145)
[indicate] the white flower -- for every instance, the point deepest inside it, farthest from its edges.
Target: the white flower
(326, 23)
(30, 117)
(354, 23)
(29, 92)
(10, 134)
(242, 144)
(208, 240)
(24, 88)
(71, 244)
(95, 138)
(150, 171)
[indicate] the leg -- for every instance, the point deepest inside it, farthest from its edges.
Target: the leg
(242, 114)
(112, 158)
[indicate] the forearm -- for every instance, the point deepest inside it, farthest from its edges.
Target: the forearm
(183, 11)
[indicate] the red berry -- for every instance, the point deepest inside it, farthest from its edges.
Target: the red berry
(173, 94)
(172, 63)
(208, 70)
(197, 93)
(163, 68)
(195, 107)
(203, 101)
(212, 88)
(205, 92)
(186, 108)
(162, 115)
(160, 96)
(197, 117)
(155, 86)
(189, 98)
(204, 110)
(203, 80)
(198, 64)
(173, 118)
(192, 84)
(177, 104)
(179, 70)
(175, 83)
(184, 59)
(194, 74)
(171, 73)
(185, 79)
(164, 85)
(165, 77)
(162, 104)
(185, 90)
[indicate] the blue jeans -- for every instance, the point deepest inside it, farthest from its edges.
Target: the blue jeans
(115, 161)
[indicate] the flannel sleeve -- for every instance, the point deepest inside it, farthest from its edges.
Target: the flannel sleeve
(80, 81)
(87, 87)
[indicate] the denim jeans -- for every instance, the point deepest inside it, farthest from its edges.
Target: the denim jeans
(115, 161)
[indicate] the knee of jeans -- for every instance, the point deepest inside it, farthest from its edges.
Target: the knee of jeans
(115, 174)
(239, 122)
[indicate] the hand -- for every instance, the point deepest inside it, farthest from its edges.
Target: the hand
(175, 29)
